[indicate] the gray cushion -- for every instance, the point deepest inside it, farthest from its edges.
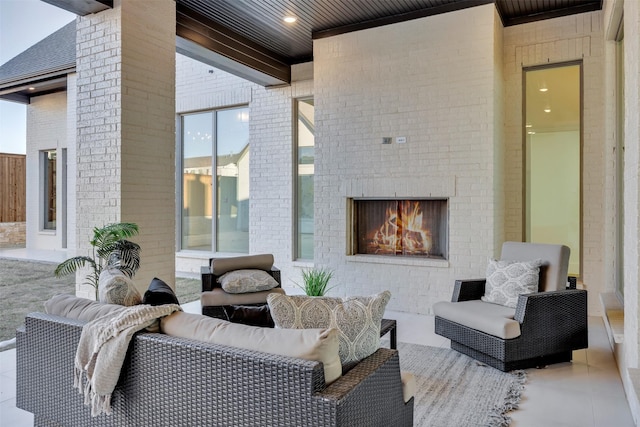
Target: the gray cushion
(219, 266)
(494, 319)
(553, 272)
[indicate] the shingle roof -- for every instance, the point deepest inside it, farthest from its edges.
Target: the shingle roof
(55, 52)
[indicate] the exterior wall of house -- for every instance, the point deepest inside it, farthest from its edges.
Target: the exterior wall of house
(435, 81)
(49, 112)
(126, 128)
(570, 38)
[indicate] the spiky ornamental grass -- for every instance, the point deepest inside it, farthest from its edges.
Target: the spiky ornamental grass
(111, 249)
(316, 281)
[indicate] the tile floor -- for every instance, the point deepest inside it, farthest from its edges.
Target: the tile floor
(585, 393)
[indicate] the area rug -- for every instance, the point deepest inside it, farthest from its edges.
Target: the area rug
(455, 390)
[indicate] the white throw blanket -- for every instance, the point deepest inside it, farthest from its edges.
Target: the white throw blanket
(102, 349)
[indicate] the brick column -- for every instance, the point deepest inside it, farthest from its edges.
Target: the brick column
(126, 129)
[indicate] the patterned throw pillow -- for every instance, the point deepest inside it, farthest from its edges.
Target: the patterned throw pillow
(116, 288)
(356, 318)
(508, 279)
(244, 281)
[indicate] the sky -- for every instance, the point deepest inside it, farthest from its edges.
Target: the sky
(23, 23)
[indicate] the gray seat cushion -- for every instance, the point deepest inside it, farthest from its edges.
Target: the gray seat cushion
(493, 319)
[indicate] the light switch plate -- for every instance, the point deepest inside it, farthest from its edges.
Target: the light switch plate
(401, 139)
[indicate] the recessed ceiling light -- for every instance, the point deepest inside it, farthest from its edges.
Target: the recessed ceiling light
(32, 88)
(289, 19)
(531, 132)
(547, 110)
(543, 89)
(528, 125)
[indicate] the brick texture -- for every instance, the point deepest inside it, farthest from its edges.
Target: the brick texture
(126, 128)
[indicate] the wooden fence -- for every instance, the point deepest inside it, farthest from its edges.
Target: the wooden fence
(13, 188)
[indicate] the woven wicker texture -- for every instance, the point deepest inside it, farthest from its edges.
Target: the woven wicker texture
(169, 381)
(552, 325)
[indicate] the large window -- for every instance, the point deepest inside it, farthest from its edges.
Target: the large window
(304, 183)
(215, 141)
(48, 174)
(553, 132)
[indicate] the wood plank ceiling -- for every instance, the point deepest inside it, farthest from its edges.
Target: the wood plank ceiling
(261, 21)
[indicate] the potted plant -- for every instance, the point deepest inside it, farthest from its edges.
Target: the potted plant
(111, 249)
(316, 281)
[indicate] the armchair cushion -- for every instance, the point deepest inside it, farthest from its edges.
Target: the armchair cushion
(508, 279)
(356, 318)
(217, 297)
(493, 319)
(219, 266)
(245, 281)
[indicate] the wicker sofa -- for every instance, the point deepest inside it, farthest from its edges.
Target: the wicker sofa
(169, 381)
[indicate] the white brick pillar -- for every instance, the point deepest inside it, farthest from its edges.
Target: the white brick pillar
(126, 129)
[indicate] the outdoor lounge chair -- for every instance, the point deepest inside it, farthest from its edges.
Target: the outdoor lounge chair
(214, 299)
(544, 327)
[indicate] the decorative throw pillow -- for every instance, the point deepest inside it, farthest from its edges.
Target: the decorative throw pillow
(245, 281)
(116, 288)
(508, 279)
(356, 318)
(159, 293)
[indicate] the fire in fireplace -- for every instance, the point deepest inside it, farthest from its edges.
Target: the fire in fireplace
(408, 227)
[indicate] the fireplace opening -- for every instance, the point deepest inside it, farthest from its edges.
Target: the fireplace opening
(406, 227)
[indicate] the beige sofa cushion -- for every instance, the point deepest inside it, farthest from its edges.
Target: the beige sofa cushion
(217, 296)
(309, 344)
(493, 319)
(83, 309)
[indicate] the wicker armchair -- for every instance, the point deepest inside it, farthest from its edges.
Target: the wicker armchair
(544, 328)
(214, 299)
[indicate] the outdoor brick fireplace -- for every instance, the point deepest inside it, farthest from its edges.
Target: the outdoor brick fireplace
(399, 227)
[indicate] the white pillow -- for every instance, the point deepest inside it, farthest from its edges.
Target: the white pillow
(114, 287)
(508, 279)
(246, 281)
(356, 318)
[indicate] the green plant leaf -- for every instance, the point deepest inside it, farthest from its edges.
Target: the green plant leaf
(72, 265)
(316, 281)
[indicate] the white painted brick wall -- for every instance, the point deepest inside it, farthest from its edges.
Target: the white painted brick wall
(126, 128)
(432, 80)
(570, 38)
